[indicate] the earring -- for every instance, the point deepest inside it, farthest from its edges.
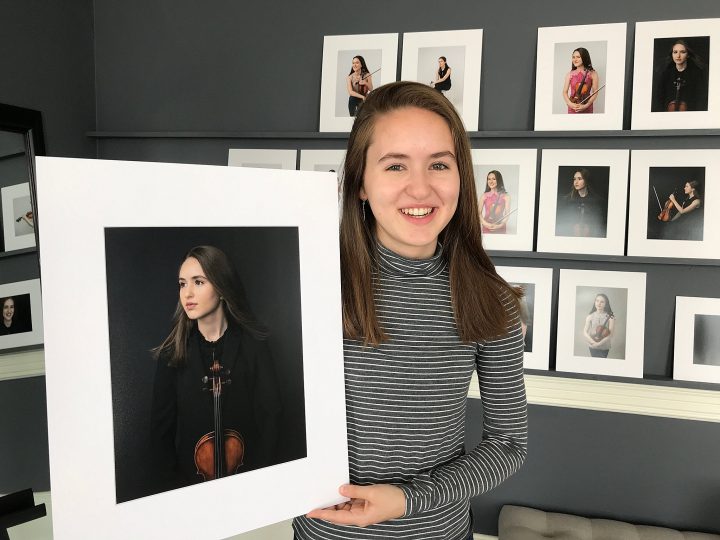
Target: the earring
(363, 208)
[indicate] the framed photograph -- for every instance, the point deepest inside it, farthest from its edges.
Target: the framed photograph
(352, 66)
(674, 207)
(583, 199)
(324, 161)
(150, 264)
(449, 61)
(535, 309)
(602, 327)
(697, 339)
(262, 158)
(580, 77)
(505, 182)
(677, 66)
(22, 318)
(17, 214)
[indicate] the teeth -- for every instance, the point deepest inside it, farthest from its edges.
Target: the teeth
(417, 212)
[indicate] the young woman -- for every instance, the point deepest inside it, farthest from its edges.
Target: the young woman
(681, 82)
(581, 83)
(442, 81)
(359, 84)
(8, 312)
(494, 204)
(212, 322)
(686, 216)
(693, 199)
(599, 327)
(423, 308)
(581, 212)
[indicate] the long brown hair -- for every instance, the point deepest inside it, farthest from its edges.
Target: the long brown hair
(221, 274)
(477, 291)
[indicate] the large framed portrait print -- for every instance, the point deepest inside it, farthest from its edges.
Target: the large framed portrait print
(601, 326)
(583, 198)
(160, 266)
(677, 70)
(580, 77)
(697, 339)
(674, 209)
(352, 66)
(448, 61)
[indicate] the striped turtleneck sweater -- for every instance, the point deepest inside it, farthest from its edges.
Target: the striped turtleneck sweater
(406, 401)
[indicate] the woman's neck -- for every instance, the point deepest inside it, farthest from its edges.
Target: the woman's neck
(213, 326)
(582, 192)
(681, 67)
(7, 323)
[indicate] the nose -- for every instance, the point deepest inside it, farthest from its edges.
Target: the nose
(419, 185)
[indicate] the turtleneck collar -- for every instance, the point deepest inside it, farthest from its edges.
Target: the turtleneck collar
(394, 265)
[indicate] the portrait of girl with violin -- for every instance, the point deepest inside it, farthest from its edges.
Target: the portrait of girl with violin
(494, 204)
(680, 75)
(599, 327)
(215, 400)
(675, 203)
(359, 84)
(582, 83)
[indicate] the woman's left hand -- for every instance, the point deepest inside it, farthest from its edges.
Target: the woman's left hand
(367, 505)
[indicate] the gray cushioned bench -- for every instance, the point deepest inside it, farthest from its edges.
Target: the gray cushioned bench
(520, 523)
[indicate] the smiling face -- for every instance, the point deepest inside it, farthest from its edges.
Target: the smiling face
(679, 55)
(198, 297)
(576, 59)
(356, 65)
(491, 181)
(8, 310)
(411, 180)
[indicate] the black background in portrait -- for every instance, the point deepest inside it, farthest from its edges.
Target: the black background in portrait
(142, 268)
(599, 185)
(667, 180)
(22, 319)
(661, 55)
(706, 343)
(529, 301)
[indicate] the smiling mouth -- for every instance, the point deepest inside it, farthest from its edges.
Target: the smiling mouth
(417, 212)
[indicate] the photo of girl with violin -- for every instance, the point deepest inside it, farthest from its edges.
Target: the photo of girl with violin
(582, 83)
(214, 376)
(680, 74)
(599, 327)
(675, 203)
(442, 81)
(494, 204)
(423, 308)
(359, 84)
(582, 211)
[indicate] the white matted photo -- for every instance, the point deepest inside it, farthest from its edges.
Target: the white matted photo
(505, 182)
(262, 158)
(145, 258)
(674, 206)
(352, 66)
(677, 70)
(449, 61)
(17, 214)
(601, 323)
(324, 161)
(535, 309)
(697, 339)
(583, 199)
(22, 319)
(580, 77)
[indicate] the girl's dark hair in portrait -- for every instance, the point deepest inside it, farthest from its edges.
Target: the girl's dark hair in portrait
(692, 57)
(444, 60)
(500, 182)
(608, 309)
(478, 293)
(697, 188)
(221, 274)
(585, 173)
(363, 67)
(585, 57)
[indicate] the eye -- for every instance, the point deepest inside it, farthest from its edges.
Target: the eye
(439, 166)
(181, 284)
(395, 167)
(199, 282)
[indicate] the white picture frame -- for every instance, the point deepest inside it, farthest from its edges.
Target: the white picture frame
(559, 221)
(463, 52)
(27, 316)
(538, 303)
(705, 34)
(606, 45)
(263, 158)
(626, 294)
(518, 168)
(18, 223)
(179, 195)
(687, 236)
(697, 337)
(380, 52)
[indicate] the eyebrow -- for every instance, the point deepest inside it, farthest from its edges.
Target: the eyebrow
(436, 155)
(193, 277)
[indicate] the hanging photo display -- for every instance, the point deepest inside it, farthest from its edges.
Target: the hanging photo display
(697, 339)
